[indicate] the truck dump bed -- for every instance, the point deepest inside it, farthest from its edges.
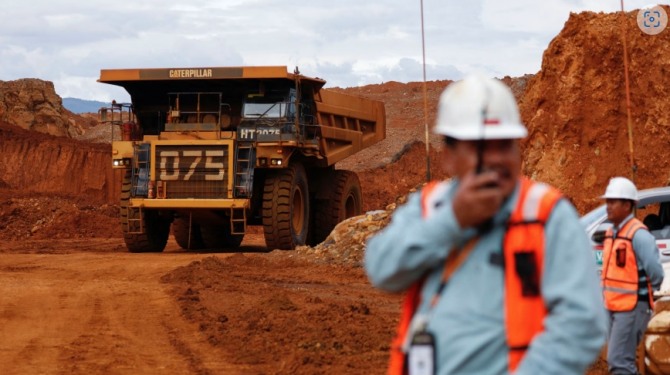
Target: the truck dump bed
(349, 124)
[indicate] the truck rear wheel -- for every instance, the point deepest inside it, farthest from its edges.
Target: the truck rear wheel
(344, 200)
(182, 231)
(219, 237)
(286, 208)
(156, 229)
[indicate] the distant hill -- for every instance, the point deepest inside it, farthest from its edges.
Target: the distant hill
(75, 105)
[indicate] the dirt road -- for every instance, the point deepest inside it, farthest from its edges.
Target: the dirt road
(67, 310)
(90, 307)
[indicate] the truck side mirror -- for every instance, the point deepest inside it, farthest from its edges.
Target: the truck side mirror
(103, 114)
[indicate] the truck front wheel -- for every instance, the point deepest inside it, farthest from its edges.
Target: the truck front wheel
(286, 208)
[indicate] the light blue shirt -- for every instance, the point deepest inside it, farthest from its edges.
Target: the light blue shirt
(468, 321)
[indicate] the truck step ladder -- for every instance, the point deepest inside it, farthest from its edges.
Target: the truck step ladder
(238, 221)
(135, 222)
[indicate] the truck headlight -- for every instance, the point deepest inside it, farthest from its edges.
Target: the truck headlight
(121, 162)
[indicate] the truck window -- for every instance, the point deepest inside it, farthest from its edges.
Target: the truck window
(268, 110)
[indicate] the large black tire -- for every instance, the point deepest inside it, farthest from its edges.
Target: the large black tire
(182, 232)
(344, 200)
(286, 208)
(156, 229)
(219, 237)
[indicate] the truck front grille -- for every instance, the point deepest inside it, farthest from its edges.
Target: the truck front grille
(193, 171)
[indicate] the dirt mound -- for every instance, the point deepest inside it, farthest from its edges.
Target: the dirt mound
(575, 107)
(300, 324)
(33, 104)
(35, 216)
(346, 243)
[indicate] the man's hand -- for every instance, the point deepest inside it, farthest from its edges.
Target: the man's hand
(477, 199)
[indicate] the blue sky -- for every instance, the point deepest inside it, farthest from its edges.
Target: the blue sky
(347, 42)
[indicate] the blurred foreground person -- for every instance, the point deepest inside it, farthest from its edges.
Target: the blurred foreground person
(499, 273)
(631, 271)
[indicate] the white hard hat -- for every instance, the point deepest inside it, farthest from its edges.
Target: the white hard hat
(478, 107)
(620, 188)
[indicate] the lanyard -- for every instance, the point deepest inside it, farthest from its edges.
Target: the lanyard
(454, 260)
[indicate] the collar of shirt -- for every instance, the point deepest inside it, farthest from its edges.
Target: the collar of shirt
(616, 229)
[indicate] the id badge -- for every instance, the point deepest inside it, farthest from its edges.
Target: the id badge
(421, 354)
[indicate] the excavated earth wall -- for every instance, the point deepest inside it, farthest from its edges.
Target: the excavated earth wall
(35, 162)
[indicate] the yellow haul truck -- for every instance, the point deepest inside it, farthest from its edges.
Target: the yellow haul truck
(210, 151)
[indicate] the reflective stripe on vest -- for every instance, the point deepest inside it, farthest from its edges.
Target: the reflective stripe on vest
(523, 251)
(620, 277)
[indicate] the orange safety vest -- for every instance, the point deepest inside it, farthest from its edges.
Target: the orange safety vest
(620, 277)
(524, 259)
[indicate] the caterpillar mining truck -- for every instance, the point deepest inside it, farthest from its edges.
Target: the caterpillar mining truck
(208, 152)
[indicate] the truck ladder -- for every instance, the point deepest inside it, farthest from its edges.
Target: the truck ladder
(140, 177)
(243, 171)
(139, 186)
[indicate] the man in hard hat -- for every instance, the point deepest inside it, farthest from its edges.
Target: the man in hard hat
(498, 272)
(631, 271)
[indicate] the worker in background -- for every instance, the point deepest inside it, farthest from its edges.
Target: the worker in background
(631, 271)
(499, 273)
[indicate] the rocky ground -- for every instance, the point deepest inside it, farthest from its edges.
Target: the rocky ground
(309, 311)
